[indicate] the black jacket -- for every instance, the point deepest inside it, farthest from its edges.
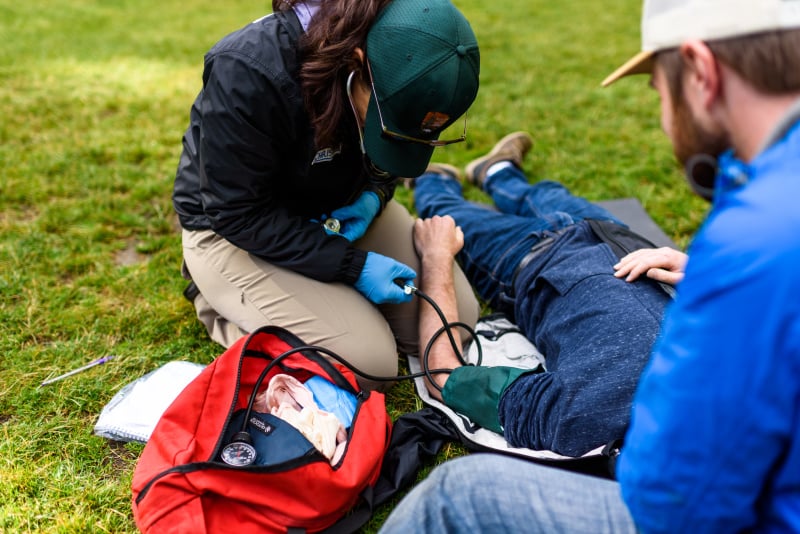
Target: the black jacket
(249, 170)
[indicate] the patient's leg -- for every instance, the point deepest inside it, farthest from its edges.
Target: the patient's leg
(546, 200)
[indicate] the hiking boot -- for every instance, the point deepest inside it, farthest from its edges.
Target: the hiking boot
(512, 147)
(445, 169)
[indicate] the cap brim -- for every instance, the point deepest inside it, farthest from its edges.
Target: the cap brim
(641, 63)
(399, 158)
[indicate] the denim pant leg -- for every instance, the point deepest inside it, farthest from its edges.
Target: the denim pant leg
(494, 242)
(545, 200)
(498, 494)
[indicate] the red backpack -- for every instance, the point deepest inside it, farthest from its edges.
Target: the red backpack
(182, 484)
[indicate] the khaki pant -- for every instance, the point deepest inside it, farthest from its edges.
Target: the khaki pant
(240, 292)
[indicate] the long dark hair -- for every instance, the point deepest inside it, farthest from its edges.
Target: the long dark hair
(336, 30)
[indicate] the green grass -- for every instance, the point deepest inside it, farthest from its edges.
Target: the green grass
(94, 98)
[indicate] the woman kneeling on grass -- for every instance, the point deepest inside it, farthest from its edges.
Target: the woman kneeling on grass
(310, 115)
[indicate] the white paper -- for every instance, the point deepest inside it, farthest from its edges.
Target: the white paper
(132, 414)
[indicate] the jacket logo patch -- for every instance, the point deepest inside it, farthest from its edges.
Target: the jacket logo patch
(326, 154)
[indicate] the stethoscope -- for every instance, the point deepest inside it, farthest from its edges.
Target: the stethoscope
(375, 174)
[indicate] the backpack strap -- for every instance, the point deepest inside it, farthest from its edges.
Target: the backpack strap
(622, 241)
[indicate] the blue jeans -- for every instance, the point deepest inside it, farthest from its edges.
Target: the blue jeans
(496, 241)
(596, 331)
(493, 493)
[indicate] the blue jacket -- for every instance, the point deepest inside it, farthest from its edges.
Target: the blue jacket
(714, 442)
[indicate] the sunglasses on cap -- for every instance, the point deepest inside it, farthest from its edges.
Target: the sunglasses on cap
(402, 137)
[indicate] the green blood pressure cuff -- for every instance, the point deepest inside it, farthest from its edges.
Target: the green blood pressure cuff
(476, 392)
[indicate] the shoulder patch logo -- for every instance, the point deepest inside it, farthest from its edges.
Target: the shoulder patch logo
(326, 154)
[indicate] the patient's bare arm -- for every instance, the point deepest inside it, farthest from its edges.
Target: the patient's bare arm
(437, 241)
(663, 264)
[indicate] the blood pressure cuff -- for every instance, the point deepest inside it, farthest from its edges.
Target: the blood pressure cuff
(476, 392)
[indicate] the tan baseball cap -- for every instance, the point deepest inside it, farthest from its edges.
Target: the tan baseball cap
(668, 23)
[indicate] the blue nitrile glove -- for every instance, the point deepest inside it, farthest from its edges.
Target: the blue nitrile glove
(356, 218)
(377, 279)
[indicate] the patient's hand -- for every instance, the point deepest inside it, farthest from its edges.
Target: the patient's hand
(663, 264)
(438, 239)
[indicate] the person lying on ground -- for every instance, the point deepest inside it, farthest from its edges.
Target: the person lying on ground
(538, 257)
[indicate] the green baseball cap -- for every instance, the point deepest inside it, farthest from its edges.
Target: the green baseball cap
(424, 64)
